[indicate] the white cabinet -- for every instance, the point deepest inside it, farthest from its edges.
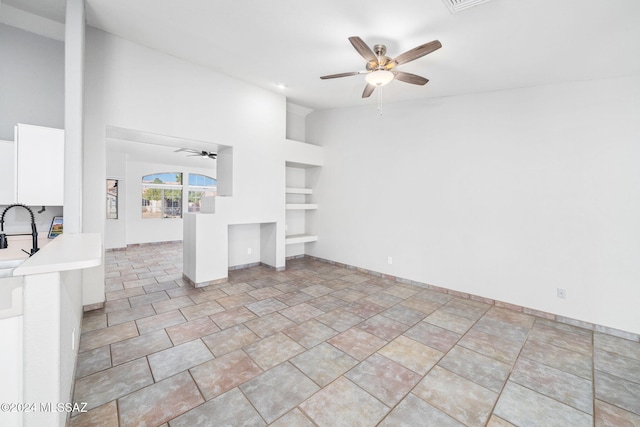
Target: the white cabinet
(39, 165)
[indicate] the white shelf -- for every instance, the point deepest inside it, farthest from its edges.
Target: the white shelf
(292, 190)
(302, 206)
(300, 238)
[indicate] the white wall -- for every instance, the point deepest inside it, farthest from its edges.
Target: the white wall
(7, 172)
(133, 87)
(507, 195)
(31, 80)
(296, 115)
(32, 92)
(242, 238)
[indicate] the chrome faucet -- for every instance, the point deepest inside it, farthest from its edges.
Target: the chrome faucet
(34, 232)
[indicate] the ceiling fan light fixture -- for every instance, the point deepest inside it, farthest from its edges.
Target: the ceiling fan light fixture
(379, 77)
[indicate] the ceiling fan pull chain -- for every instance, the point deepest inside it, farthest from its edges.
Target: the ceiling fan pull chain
(380, 100)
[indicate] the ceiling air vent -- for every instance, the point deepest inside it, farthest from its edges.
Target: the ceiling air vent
(458, 5)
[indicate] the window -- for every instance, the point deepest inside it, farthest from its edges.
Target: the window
(162, 195)
(112, 199)
(199, 187)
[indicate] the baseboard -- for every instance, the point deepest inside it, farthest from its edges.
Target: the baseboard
(137, 245)
(91, 307)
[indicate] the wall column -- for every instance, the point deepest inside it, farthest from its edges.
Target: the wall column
(73, 114)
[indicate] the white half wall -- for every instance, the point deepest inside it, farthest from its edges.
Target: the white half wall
(507, 195)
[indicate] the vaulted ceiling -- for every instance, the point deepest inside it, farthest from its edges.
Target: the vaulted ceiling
(496, 45)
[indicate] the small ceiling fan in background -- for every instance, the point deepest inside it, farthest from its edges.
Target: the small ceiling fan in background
(380, 69)
(197, 153)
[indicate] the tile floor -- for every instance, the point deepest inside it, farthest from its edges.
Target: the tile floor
(327, 346)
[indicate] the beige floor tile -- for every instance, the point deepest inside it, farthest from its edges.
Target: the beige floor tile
(194, 342)
(344, 404)
(235, 301)
(148, 298)
(279, 390)
(102, 416)
(101, 337)
(301, 312)
(134, 348)
(273, 350)
(538, 410)
(617, 345)
(611, 416)
(160, 321)
(172, 304)
(324, 363)
(224, 373)
(404, 314)
(232, 317)
(269, 324)
(176, 359)
(559, 385)
(575, 363)
(483, 370)
(160, 402)
(93, 361)
(129, 314)
(102, 387)
(433, 336)
(310, 333)
(383, 327)
(357, 343)
(201, 310)
(457, 397)
(578, 343)
(413, 411)
(229, 340)
(191, 330)
(230, 409)
(450, 321)
(293, 418)
(340, 319)
(411, 354)
(384, 379)
(618, 391)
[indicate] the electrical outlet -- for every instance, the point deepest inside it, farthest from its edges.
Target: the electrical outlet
(562, 293)
(389, 260)
(248, 251)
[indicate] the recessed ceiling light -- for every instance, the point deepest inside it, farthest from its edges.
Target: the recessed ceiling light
(281, 85)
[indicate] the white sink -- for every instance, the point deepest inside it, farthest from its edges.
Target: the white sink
(7, 267)
(10, 296)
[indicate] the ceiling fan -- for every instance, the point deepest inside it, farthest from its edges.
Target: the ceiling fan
(380, 69)
(198, 153)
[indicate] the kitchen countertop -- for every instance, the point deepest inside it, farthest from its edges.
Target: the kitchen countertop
(65, 252)
(17, 243)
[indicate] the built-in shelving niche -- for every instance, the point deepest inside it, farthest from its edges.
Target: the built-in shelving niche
(299, 205)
